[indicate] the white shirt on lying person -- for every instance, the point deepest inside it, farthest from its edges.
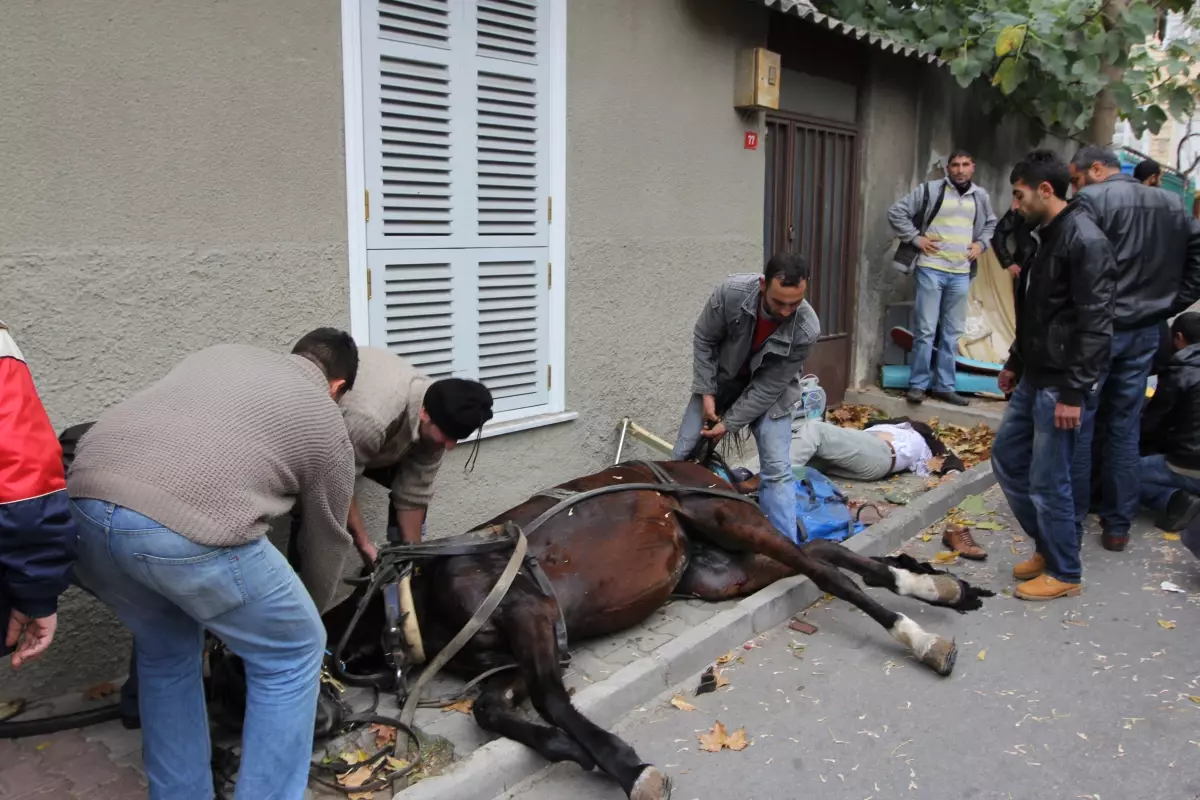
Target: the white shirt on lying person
(910, 447)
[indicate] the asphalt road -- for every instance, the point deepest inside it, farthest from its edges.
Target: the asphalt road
(1088, 697)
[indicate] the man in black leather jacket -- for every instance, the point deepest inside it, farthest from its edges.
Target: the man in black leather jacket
(1157, 250)
(1013, 225)
(1064, 336)
(1170, 470)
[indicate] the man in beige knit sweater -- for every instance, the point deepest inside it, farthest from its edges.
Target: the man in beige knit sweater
(173, 491)
(401, 423)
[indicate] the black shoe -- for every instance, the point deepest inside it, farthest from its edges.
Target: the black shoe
(1182, 508)
(916, 396)
(953, 398)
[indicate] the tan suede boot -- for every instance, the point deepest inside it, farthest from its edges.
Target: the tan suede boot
(1030, 569)
(1043, 587)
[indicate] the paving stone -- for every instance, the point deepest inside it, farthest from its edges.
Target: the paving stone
(129, 786)
(625, 655)
(672, 627)
(602, 648)
(649, 642)
(114, 737)
(88, 770)
(24, 777)
(590, 667)
(694, 615)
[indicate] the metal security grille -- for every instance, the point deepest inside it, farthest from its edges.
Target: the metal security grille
(811, 203)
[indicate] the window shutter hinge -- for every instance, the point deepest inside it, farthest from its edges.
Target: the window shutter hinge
(367, 203)
(549, 209)
(368, 283)
(549, 275)
(548, 376)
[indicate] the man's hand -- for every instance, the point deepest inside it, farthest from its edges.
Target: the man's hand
(1067, 418)
(1007, 380)
(974, 250)
(710, 409)
(928, 244)
(715, 433)
(1014, 270)
(30, 636)
(369, 553)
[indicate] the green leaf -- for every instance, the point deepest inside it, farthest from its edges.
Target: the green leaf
(1009, 75)
(1180, 102)
(1144, 17)
(1155, 117)
(1010, 40)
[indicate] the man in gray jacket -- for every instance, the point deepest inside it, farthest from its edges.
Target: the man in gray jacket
(951, 222)
(750, 344)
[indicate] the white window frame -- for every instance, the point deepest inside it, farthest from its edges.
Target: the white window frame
(554, 410)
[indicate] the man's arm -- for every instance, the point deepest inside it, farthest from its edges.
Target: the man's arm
(324, 538)
(412, 490)
(709, 332)
(1004, 229)
(766, 385)
(1189, 287)
(989, 221)
(1093, 278)
(900, 215)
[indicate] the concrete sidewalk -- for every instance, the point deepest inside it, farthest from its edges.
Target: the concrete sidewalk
(1093, 697)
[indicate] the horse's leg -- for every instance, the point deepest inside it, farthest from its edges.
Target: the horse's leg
(714, 574)
(735, 526)
(905, 576)
(495, 711)
(529, 627)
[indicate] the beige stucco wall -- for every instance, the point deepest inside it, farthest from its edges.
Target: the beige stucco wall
(174, 177)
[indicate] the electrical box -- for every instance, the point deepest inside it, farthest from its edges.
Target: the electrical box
(757, 79)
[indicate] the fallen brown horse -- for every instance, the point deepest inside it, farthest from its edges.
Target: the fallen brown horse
(612, 560)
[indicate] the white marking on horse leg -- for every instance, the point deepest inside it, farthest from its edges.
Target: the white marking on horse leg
(910, 584)
(913, 636)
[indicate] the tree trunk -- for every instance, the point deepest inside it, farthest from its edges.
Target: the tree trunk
(1104, 114)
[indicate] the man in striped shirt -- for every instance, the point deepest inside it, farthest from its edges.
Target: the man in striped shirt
(951, 231)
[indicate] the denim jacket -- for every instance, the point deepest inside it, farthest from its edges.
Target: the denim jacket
(723, 337)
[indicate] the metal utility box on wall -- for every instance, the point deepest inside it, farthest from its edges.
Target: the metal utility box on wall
(758, 77)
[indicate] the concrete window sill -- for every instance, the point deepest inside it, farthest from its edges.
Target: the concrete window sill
(528, 423)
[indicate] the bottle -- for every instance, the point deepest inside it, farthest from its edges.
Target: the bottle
(811, 405)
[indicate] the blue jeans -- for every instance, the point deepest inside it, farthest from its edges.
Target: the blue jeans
(1159, 482)
(777, 492)
(1121, 397)
(940, 312)
(167, 590)
(1032, 462)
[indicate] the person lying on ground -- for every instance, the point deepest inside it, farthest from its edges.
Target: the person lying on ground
(883, 448)
(1170, 436)
(37, 534)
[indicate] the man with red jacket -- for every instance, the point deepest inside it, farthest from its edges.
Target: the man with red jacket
(37, 533)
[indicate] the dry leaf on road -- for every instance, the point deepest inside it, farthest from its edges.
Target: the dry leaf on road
(1169, 624)
(725, 659)
(721, 679)
(462, 706)
(982, 655)
(714, 740)
(384, 735)
(1171, 537)
(681, 704)
(356, 778)
(737, 740)
(946, 557)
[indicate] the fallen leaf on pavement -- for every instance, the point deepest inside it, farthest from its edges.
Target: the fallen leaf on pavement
(982, 655)
(397, 764)
(681, 704)
(988, 526)
(357, 778)
(1171, 537)
(462, 706)
(1194, 698)
(100, 691)
(11, 709)
(384, 735)
(1169, 624)
(725, 659)
(721, 679)
(1167, 586)
(972, 504)
(852, 416)
(946, 557)
(737, 740)
(714, 740)
(925, 537)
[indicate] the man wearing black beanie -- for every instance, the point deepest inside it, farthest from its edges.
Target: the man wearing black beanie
(401, 422)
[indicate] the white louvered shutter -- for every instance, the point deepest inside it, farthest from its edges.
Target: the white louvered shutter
(456, 154)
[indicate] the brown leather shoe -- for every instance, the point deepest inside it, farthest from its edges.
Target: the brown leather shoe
(1113, 543)
(1043, 587)
(959, 538)
(1029, 569)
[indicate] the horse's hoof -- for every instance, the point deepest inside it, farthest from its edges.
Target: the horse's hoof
(941, 656)
(652, 784)
(949, 589)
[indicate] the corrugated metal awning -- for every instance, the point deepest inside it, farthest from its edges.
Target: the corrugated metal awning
(805, 10)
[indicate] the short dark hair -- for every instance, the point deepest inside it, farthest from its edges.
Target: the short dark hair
(1187, 324)
(790, 269)
(1042, 166)
(1146, 169)
(1091, 154)
(959, 153)
(332, 350)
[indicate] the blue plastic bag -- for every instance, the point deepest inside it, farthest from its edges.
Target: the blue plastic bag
(822, 510)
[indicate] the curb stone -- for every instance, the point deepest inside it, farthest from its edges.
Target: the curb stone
(499, 765)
